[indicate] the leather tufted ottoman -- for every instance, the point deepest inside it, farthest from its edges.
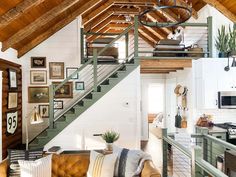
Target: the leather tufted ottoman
(76, 165)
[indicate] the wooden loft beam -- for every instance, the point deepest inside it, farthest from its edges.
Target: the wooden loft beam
(41, 21)
(118, 25)
(167, 63)
(68, 19)
(115, 31)
(89, 17)
(222, 9)
(147, 40)
(149, 34)
(104, 30)
(156, 32)
(147, 2)
(17, 11)
(99, 19)
(119, 11)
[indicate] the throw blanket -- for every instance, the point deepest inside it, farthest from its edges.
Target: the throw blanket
(130, 162)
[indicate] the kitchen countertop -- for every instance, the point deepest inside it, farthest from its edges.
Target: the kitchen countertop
(214, 129)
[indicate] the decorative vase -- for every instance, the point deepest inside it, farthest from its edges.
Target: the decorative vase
(109, 146)
(222, 55)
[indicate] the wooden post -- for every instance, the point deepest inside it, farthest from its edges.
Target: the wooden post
(196, 170)
(210, 36)
(127, 44)
(136, 24)
(82, 45)
(51, 106)
(95, 53)
(164, 153)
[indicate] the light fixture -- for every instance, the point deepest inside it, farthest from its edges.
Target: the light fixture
(35, 118)
(128, 18)
(161, 7)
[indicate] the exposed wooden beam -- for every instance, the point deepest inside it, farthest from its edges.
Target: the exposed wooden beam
(167, 63)
(183, 3)
(148, 35)
(99, 19)
(119, 11)
(89, 17)
(118, 25)
(41, 21)
(222, 9)
(17, 11)
(156, 72)
(68, 19)
(104, 30)
(146, 40)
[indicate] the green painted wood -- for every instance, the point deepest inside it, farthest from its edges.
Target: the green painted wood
(136, 25)
(164, 153)
(95, 70)
(51, 106)
(82, 45)
(182, 24)
(127, 44)
(196, 171)
(210, 36)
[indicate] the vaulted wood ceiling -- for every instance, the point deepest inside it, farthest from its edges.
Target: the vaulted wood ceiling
(26, 23)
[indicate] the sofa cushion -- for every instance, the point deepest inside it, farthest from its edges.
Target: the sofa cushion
(15, 155)
(70, 165)
(101, 165)
(37, 168)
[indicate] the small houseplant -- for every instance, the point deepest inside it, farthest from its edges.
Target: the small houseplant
(110, 137)
(222, 42)
(232, 39)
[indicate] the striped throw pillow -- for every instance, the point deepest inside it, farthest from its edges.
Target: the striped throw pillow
(15, 155)
(38, 168)
(101, 165)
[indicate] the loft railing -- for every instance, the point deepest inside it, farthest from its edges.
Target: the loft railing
(91, 73)
(198, 158)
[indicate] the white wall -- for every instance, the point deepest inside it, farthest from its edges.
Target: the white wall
(110, 112)
(146, 80)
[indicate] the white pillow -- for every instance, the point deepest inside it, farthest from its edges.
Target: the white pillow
(101, 165)
(38, 168)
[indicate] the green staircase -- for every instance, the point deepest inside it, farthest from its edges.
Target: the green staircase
(82, 105)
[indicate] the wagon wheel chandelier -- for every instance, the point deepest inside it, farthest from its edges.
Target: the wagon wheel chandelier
(161, 7)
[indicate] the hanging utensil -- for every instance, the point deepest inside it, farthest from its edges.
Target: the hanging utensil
(178, 119)
(184, 123)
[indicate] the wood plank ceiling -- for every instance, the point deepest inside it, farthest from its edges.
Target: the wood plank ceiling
(26, 23)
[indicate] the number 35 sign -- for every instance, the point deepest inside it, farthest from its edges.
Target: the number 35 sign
(12, 119)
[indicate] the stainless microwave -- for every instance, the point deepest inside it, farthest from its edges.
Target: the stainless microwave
(227, 100)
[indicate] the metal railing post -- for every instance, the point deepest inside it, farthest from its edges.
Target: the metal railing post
(82, 45)
(51, 106)
(95, 53)
(196, 170)
(210, 36)
(164, 153)
(136, 24)
(126, 45)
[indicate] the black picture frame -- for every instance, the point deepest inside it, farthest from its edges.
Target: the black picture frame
(70, 70)
(12, 79)
(79, 85)
(58, 104)
(44, 110)
(38, 62)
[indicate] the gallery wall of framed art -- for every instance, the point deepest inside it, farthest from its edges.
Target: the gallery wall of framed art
(11, 105)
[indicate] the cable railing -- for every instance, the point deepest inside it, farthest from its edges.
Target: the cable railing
(186, 155)
(84, 80)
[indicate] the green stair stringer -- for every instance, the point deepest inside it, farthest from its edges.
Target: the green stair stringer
(81, 106)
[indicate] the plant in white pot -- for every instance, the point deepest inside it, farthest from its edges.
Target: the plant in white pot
(110, 137)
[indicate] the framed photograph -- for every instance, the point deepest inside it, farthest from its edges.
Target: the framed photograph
(79, 85)
(66, 91)
(12, 121)
(12, 100)
(56, 70)
(70, 71)
(38, 94)
(12, 79)
(44, 111)
(38, 77)
(58, 104)
(38, 62)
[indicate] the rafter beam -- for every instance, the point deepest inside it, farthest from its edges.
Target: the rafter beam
(104, 30)
(41, 21)
(167, 63)
(148, 34)
(146, 40)
(222, 9)
(89, 17)
(119, 11)
(56, 27)
(17, 11)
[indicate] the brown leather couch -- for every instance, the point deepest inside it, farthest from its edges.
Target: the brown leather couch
(76, 165)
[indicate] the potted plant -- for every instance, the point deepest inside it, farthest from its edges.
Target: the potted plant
(232, 40)
(222, 42)
(110, 137)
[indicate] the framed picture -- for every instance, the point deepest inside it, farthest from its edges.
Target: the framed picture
(66, 91)
(38, 94)
(38, 77)
(12, 100)
(44, 111)
(70, 71)
(12, 79)
(79, 85)
(38, 62)
(12, 121)
(58, 104)
(56, 70)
